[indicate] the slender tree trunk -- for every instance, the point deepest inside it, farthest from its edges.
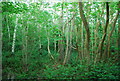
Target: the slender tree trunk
(8, 29)
(82, 43)
(98, 39)
(71, 35)
(60, 42)
(79, 41)
(14, 37)
(55, 44)
(67, 30)
(25, 46)
(96, 35)
(69, 44)
(119, 32)
(66, 53)
(109, 36)
(48, 47)
(60, 49)
(118, 43)
(105, 32)
(87, 31)
(0, 43)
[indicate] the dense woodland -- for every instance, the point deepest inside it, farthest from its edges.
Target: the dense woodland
(60, 40)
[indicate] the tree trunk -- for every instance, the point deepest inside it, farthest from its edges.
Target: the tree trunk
(25, 46)
(8, 28)
(14, 37)
(66, 53)
(119, 32)
(55, 46)
(71, 35)
(1, 43)
(67, 30)
(105, 32)
(109, 36)
(96, 38)
(87, 31)
(60, 42)
(48, 47)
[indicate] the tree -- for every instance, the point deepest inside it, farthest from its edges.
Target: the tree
(87, 31)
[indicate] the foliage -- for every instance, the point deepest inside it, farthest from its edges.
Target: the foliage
(43, 33)
(78, 71)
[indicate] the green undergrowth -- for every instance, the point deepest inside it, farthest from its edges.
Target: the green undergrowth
(44, 68)
(98, 71)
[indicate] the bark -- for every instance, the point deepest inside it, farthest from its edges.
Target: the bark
(14, 37)
(8, 29)
(1, 46)
(60, 42)
(96, 34)
(25, 46)
(55, 45)
(105, 31)
(109, 36)
(60, 49)
(71, 34)
(119, 32)
(66, 53)
(87, 31)
(67, 30)
(80, 41)
(119, 41)
(48, 47)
